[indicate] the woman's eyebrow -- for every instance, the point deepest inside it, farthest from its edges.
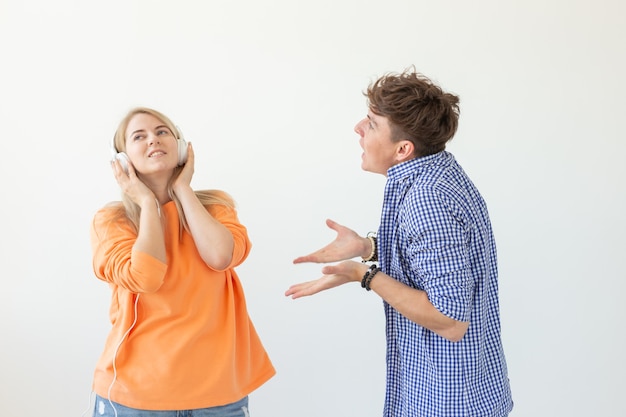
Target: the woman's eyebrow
(137, 131)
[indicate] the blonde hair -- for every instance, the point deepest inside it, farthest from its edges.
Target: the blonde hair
(128, 208)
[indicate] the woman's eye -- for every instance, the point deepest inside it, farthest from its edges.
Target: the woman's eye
(163, 132)
(137, 137)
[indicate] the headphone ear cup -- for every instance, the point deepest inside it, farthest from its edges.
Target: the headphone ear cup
(123, 159)
(182, 151)
(120, 156)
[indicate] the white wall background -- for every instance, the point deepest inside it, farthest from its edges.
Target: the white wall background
(268, 92)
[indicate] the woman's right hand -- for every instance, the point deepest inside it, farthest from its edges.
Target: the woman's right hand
(347, 245)
(130, 184)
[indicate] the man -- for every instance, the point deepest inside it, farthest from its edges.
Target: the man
(437, 267)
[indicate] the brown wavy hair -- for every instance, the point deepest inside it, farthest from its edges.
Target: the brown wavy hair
(418, 110)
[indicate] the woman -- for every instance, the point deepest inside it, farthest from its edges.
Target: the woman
(181, 337)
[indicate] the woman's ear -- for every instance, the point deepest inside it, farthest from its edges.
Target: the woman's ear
(405, 150)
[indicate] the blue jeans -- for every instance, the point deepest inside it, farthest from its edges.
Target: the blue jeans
(103, 408)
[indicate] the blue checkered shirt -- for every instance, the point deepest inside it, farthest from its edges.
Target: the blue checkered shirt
(435, 235)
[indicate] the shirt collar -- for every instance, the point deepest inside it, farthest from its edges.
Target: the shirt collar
(404, 169)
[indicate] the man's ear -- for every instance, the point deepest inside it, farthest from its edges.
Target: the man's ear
(405, 150)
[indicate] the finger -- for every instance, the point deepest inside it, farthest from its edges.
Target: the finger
(190, 155)
(190, 150)
(297, 290)
(297, 295)
(293, 295)
(117, 169)
(302, 292)
(290, 291)
(332, 224)
(331, 270)
(303, 259)
(131, 170)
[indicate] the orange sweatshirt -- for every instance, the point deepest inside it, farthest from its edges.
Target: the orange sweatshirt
(193, 344)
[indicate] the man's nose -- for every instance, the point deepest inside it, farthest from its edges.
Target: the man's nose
(359, 127)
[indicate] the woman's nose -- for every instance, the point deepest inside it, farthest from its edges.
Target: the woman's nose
(154, 139)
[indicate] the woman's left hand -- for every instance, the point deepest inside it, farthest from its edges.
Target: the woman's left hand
(184, 179)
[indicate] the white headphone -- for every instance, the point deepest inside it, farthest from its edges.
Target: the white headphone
(123, 158)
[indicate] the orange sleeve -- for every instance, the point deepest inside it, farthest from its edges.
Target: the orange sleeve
(242, 245)
(114, 260)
